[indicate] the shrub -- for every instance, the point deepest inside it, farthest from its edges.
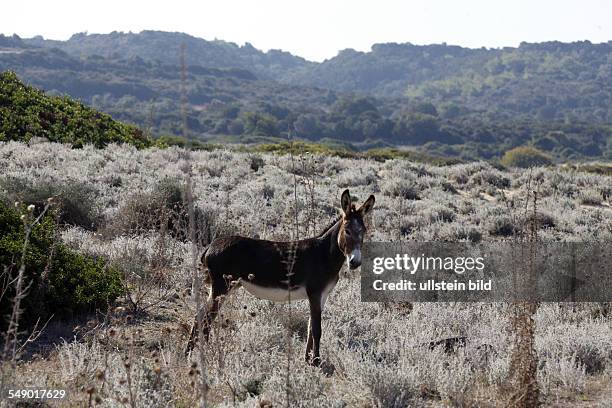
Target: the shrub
(144, 211)
(502, 226)
(392, 388)
(356, 177)
(256, 162)
(164, 208)
(469, 234)
(267, 191)
(590, 197)
(448, 187)
(524, 157)
(407, 225)
(491, 177)
(440, 213)
(61, 281)
(75, 200)
(540, 220)
(401, 189)
(591, 358)
(168, 141)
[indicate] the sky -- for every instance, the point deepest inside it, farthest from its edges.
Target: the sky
(318, 29)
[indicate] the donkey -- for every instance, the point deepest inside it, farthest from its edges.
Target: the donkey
(261, 267)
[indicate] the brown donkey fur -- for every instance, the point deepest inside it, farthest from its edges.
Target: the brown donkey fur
(260, 267)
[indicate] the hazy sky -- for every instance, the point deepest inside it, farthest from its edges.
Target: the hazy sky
(317, 29)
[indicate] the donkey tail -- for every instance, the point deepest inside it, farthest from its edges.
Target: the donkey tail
(204, 267)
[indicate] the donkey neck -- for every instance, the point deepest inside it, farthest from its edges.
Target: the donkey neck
(329, 242)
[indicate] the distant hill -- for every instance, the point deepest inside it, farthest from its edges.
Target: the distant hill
(26, 112)
(147, 92)
(165, 47)
(550, 81)
(439, 99)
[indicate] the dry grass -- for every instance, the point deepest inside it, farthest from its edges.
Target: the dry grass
(133, 356)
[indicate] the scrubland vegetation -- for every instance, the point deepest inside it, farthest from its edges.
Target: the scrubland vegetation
(127, 210)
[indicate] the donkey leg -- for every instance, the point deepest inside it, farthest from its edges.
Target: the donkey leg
(309, 342)
(207, 314)
(315, 330)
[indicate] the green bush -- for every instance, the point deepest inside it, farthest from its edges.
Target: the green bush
(524, 157)
(167, 141)
(27, 112)
(61, 281)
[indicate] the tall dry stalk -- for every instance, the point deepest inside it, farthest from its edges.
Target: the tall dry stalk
(289, 263)
(524, 360)
(309, 182)
(289, 255)
(197, 285)
(288, 258)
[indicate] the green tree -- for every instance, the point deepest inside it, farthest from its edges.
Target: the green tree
(260, 125)
(525, 156)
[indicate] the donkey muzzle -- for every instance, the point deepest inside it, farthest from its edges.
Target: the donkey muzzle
(354, 259)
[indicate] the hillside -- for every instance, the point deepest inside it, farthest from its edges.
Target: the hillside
(165, 47)
(548, 81)
(553, 80)
(26, 112)
(230, 97)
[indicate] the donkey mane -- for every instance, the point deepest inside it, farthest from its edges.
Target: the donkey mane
(329, 226)
(335, 221)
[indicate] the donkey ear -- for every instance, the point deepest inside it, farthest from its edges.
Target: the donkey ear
(367, 206)
(345, 202)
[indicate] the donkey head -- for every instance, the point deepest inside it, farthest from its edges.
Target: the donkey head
(352, 228)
